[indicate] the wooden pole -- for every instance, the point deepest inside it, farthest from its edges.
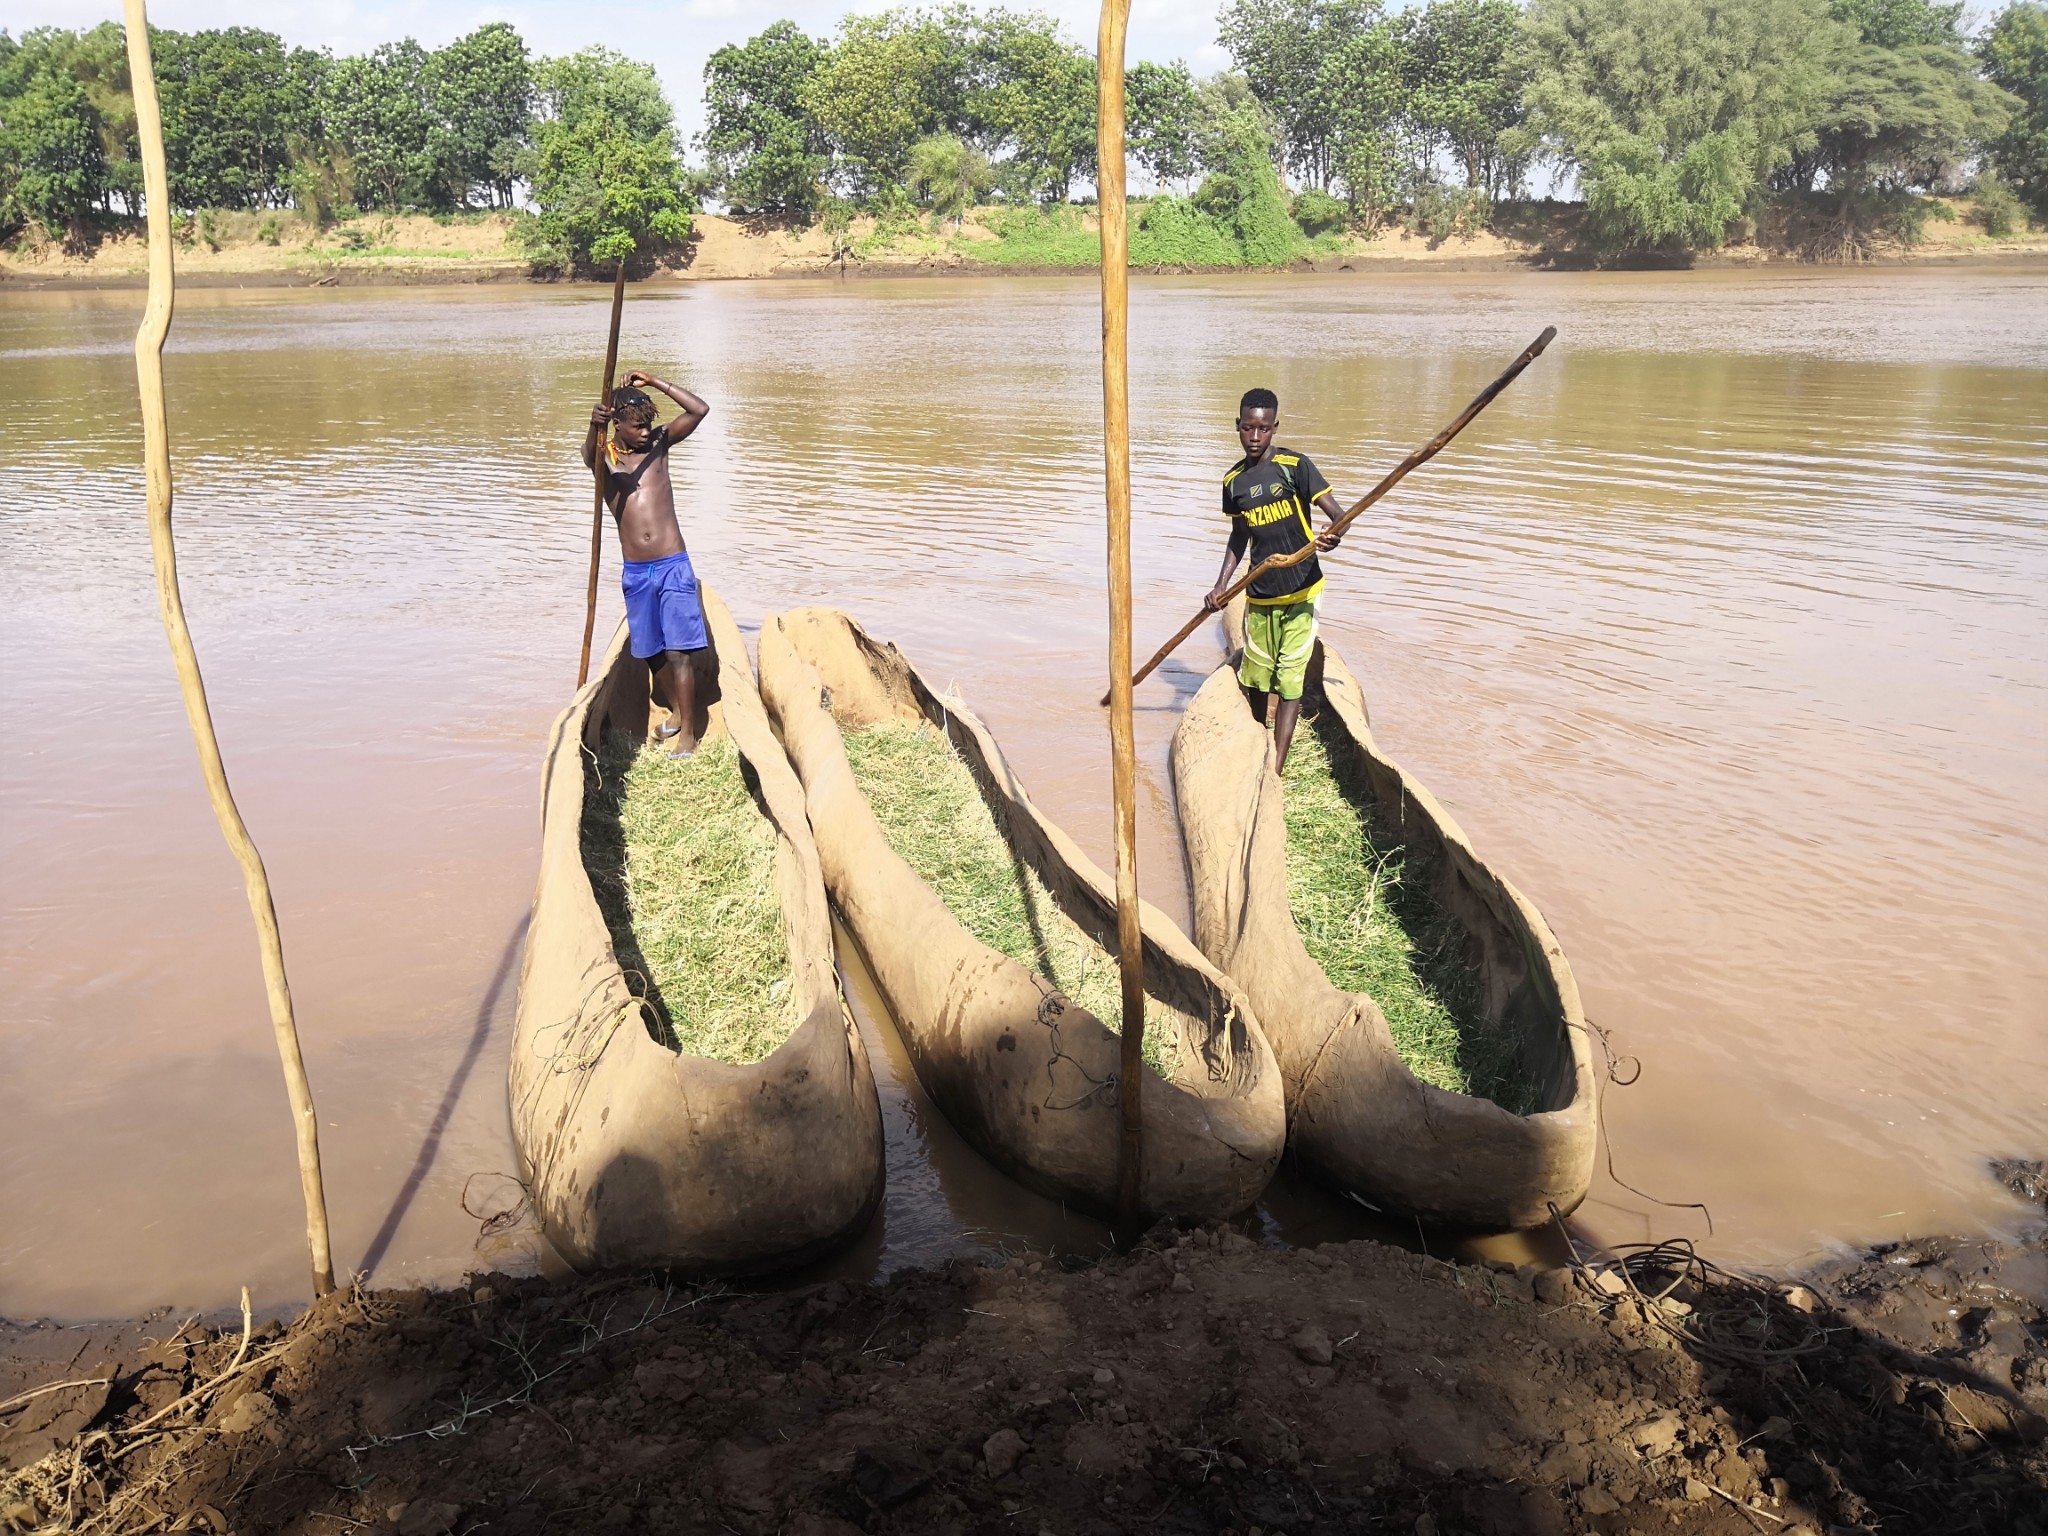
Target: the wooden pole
(1392, 478)
(599, 468)
(1116, 467)
(156, 446)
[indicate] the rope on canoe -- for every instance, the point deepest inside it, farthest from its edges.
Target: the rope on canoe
(586, 1055)
(586, 1036)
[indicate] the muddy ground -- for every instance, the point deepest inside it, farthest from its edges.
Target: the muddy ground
(1199, 1384)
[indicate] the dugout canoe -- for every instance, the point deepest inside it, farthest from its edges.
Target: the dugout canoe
(1356, 1115)
(1030, 1078)
(632, 1152)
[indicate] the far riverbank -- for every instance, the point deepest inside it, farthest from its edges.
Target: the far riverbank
(409, 250)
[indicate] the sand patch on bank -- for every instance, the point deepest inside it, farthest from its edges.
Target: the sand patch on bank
(756, 247)
(278, 244)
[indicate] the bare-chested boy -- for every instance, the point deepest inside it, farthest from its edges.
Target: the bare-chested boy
(664, 615)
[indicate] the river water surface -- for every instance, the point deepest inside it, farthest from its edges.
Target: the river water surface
(1724, 634)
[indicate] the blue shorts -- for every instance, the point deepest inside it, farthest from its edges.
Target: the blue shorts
(663, 611)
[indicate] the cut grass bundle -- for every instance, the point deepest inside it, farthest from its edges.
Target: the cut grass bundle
(1366, 916)
(683, 864)
(940, 824)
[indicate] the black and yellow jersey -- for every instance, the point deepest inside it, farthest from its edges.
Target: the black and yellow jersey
(1272, 501)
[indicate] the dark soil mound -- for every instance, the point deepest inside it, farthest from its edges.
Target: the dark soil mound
(1201, 1384)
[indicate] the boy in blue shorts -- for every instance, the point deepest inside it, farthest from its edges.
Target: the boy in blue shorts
(664, 616)
(1266, 496)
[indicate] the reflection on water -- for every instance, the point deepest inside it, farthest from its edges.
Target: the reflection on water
(1721, 633)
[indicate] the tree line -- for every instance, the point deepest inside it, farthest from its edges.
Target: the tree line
(252, 124)
(1675, 122)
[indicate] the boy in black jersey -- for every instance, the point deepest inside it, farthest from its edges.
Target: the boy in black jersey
(1266, 496)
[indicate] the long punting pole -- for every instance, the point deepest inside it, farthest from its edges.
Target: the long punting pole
(156, 447)
(1392, 478)
(598, 467)
(1116, 467)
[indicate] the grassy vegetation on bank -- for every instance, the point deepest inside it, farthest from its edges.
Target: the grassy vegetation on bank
(1367, 918)
(939, 823)
(1164, 232)
(683, 864)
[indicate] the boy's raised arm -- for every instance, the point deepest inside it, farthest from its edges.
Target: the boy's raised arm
(600, 418)
(693, 407)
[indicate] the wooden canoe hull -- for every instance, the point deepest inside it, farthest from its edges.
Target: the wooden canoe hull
(635, 1154)
(1028, 1077)
(1356, 1114)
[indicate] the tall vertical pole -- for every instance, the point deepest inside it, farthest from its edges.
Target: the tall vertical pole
(1116, 466)
(600, 468)
(156, 449)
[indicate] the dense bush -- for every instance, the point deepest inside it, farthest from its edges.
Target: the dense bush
(1173, 232)
(1445, 213)
(947, 175)
(1999, 208)
(1318, 213)
(1056, 236)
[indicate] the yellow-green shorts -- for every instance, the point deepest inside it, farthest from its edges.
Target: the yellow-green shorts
(1278, 642)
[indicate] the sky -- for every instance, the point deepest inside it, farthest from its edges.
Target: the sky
(676, 38)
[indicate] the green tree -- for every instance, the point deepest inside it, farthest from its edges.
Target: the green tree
(1026, 94)
(2014, 53)
(605, 173)
(889, 80)
(479, 91)
(1464, 89)
(1901, 23)
(1285, 49)
(375, 108)
(232, 99)
(1376, 156)
(1906, 118)
(52, 162)
(1674, 114)
(1906, 106)
(1161, 113)
(766, 151)
(98, 61)
(947, 175)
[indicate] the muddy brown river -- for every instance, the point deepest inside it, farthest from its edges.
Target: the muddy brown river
(1724, 634)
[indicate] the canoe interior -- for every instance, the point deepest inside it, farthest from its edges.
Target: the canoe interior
(947, 825)
(1474, 950)
(713, 966)
(1207, 1044)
